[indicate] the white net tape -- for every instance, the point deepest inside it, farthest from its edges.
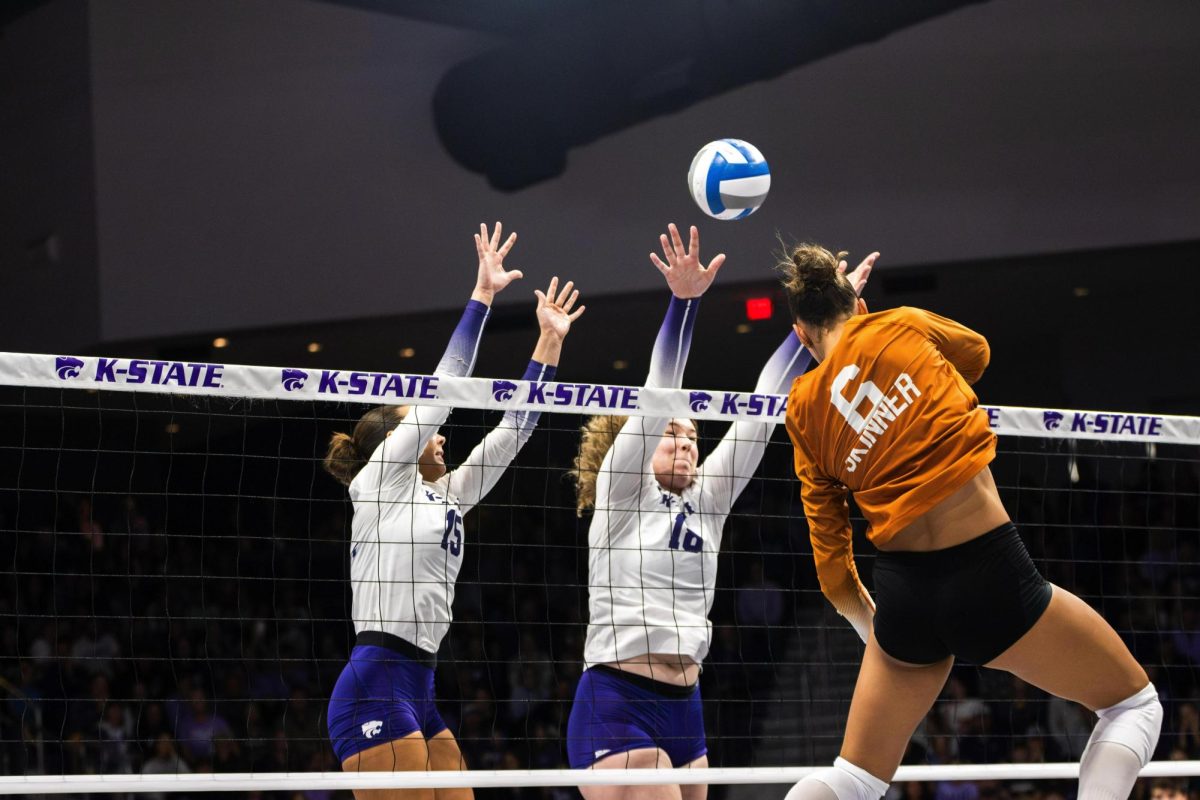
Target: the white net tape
(516, 778)
(288, 383)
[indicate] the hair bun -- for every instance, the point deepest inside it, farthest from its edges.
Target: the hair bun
(817, 291)
(814, 272)
(809, 269)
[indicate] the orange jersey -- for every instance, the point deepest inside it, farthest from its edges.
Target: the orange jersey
(889, 415)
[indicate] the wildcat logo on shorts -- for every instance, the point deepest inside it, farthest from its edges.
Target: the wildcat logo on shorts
(293, 379)
(371, 729)
(503, 390)
(699, 401)
(67, 367)
(1052, 419)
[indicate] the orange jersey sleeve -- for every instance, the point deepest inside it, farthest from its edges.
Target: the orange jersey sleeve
(967, 350)
(828, 517)
(890, 416)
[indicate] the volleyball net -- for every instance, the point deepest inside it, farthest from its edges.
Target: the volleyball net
(176, 596)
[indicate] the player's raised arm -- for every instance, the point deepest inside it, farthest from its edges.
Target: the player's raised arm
(404, 446)
(628, 460)
(481, 470)
(967, 350)
(829, 531)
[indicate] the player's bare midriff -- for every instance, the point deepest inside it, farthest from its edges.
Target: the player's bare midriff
(967, 514)
(668, 668)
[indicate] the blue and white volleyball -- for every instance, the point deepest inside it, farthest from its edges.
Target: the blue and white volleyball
(729, 179)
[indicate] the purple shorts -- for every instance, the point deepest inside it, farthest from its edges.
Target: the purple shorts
(615, 712)
(380, 696)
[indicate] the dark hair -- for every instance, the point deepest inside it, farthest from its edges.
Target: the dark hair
(348, 453)
(817, 293)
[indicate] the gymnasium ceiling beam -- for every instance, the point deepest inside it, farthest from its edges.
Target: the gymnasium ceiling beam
(608, 66)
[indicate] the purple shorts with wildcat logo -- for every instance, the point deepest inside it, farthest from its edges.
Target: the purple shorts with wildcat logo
(381, 695)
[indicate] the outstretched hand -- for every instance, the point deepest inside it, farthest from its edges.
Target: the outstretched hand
(493, 277)
(554, 313)
(858, 278)
(684, 274)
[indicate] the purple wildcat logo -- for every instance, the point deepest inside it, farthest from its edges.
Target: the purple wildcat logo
(1051, 419)
(700, 401)
(67, 367)
(293, 379)
(503, 390)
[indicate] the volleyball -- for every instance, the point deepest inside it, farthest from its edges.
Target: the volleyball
(729, 179)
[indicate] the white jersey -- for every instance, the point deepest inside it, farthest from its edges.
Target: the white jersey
(406, 542)
(652, 566)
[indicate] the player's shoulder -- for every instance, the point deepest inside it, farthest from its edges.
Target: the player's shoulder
(900, 315)
(799, 398)
(888, 323)
(366, 479)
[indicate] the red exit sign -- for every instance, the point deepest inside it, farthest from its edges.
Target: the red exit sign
(759, 308)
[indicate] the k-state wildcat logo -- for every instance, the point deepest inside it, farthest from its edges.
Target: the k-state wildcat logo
(293, 379)
(700, 400)
(67, 367)
(1051, 419)
(371, 729)
(503, 390)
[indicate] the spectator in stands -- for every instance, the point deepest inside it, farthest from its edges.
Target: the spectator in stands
(115, 732)
(1187, 729)
(1168, 789)
(199, 725)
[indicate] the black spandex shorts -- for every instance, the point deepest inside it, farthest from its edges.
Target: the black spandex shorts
(972, 601)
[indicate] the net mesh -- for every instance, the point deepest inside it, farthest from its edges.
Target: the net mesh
(176, 595)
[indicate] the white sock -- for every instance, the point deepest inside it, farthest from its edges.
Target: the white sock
(1107, 772)
(1121, 744)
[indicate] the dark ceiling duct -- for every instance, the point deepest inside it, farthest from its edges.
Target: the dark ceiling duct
(514, 112)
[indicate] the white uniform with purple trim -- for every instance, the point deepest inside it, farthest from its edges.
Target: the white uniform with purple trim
(652, 568)
(407, 536)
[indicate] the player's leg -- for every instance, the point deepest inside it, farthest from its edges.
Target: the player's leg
(903, 670)
(1073, 653)
(642, 758)
(377, 713)
(684, 740)
(444, 754)
(408, 754)
(890, 700)
(695, 791)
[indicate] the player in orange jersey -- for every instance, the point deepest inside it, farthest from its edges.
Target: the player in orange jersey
(889, 415)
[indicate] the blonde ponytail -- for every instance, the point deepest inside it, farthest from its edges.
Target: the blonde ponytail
(596, 439)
